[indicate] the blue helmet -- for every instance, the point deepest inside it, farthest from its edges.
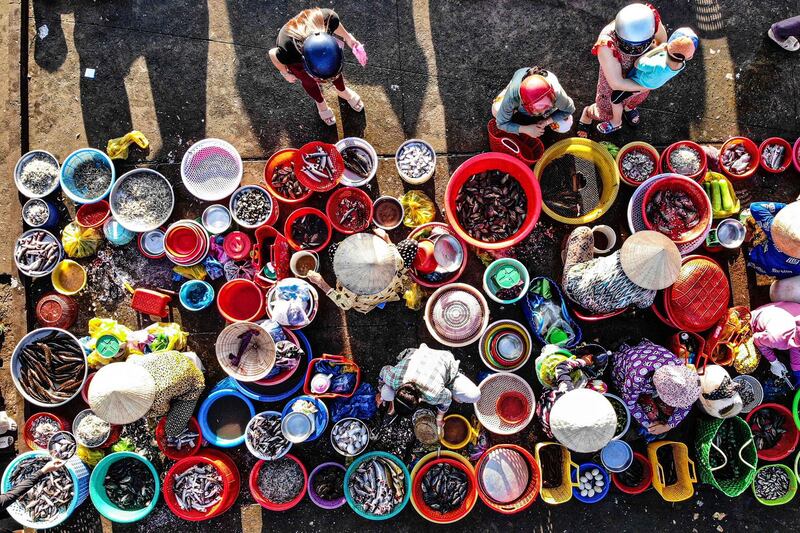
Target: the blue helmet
(322, 56)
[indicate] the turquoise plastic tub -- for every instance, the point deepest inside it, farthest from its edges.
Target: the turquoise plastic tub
(100, 499)
(202, 417)
(75, 160)
(351, 470)
(192, 284)
(80, 480)
(490, 287)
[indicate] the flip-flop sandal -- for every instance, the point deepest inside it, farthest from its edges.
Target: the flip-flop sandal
(582, 130)
(607, 128)
(356, 103)
(327, 116)
(631, 116)
(791, 44)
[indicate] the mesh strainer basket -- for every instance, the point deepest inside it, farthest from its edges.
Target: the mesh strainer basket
(579, 180)
(211, 169)
(486, 407)
(257, 356)
(81, 159)
(456, 314)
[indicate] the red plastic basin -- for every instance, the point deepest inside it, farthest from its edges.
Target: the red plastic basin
(751, 148)
(695, 192)
(787, 154)
(240, 300)
(663, 161)
(269, 504)
(297, 213)
(281, 158)
(503, 163)
(351, 193)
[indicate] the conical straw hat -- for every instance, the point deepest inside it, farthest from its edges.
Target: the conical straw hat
(786, 230)
(650, 260)
(365, 264)
(583, 420)
(121, 393)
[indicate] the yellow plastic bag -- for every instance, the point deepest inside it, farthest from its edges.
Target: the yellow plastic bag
(418, 207)
(118, 148)
(79, 241)
(414, 297)
(89, 456)
(157, 337)
(192, 272)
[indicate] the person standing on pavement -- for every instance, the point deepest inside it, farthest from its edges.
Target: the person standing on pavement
(635, 29)
(531, 101)
(786, 33)
(426, 375)
(307, 51)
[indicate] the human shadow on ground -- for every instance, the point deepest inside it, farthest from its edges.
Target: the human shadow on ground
(176, 67)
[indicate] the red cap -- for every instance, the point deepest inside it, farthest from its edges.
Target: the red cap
(533, 89)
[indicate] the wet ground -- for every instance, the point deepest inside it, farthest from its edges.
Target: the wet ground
(180, 71)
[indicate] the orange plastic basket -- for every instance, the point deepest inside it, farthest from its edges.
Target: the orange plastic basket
(456, 514)
(531, 491)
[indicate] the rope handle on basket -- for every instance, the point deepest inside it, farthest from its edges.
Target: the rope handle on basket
(510, 144)
(741, 451)
(723, 454)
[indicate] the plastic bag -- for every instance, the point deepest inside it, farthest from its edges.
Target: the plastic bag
(192, 272)
(293, 305)
(79, 241)
(89, 456)
(157, 337)
(360, 405)
(414, 297)
(104, 326)
(118, 148)
(418, 207)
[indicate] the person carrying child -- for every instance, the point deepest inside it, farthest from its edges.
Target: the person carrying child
(653, 70)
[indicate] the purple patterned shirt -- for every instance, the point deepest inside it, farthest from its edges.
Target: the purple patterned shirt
(633, 376)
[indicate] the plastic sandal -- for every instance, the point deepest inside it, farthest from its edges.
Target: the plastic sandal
(791, 44)
(327, 116)
(607, 128)
(355, 102)
(582, 130)
(631, 116)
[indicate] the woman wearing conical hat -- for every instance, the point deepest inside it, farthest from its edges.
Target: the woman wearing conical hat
(370, 271)
(648, 261)
(152, 385)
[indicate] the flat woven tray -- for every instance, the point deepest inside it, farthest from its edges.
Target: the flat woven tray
(636, 223)
(491, 389)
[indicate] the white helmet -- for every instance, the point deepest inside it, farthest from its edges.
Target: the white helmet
(635, 25)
